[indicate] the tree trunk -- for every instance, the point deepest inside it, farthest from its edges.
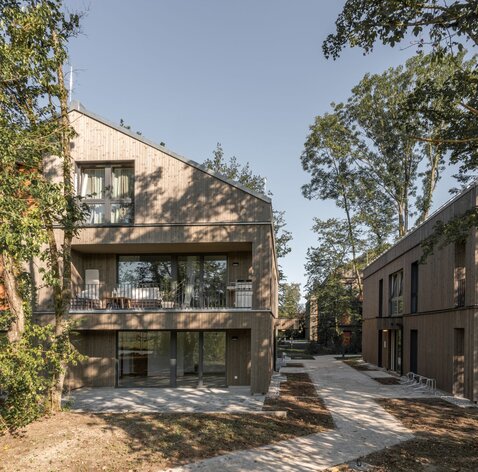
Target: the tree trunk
(10, 274)
(430, 182)
(63, 273)
(352, 244)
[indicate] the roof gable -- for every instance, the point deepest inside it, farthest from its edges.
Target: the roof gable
(78, 107)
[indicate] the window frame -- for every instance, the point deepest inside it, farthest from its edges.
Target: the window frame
(397, 299)
(414, 286)
(107, 201)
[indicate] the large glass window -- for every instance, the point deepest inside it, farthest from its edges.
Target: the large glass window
(108, 190)
(189, 281)
(187, 374)
(145, 269)
(215, 281)
(185, 281)
(144, 358)
(396, 293)
(214, 363)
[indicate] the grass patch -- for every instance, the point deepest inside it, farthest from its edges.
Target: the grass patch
(446, 439)
(146, 442)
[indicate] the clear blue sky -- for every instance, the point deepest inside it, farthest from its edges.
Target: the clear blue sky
(249, 74)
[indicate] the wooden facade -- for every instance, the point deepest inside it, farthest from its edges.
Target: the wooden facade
(435, 333)
(179, 208)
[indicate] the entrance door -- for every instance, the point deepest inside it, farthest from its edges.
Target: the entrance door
(414, 351)
(459, 362)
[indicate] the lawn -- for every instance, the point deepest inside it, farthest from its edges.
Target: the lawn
(446, 439)
(146, 442)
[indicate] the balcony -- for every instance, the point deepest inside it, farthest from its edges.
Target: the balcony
(154, 297)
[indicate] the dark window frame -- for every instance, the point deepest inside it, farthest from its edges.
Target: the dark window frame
(397, 298)
(108, 201)
(414, 286)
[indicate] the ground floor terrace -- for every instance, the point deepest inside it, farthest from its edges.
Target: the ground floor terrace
(439, 345)
(174, 358)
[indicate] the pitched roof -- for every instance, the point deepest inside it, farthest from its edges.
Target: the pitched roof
(77, 106)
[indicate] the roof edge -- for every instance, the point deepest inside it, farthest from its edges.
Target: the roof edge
(75, 105)
(432, 215)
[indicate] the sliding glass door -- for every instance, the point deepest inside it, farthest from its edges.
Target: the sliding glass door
(214, 359)
(146, 358)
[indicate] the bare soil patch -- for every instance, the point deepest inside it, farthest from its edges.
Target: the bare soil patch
(299, 398)
(357, 364)
(80, 442)
(446, 439)
(387, 380)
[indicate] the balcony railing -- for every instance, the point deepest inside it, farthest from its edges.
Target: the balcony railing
(150, 296)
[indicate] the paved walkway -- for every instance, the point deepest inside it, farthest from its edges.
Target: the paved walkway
(166, 400)
(362, 426)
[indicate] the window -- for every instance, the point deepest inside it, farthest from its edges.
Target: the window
(193, 280)
(396, 293)
(460, 273)
(108, 190)
(414, 288)
(380, 298)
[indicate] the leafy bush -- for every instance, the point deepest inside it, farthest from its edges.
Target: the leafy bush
(23, 383)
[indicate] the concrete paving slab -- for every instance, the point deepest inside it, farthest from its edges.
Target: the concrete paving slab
(165, 400)
(362, 426)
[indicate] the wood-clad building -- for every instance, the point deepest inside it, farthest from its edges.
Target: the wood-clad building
(174, 270)
(423, 317)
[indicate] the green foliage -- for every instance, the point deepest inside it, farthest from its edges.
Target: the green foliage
(447, 103)
(437, 23)
(289, 300)
(243, 174)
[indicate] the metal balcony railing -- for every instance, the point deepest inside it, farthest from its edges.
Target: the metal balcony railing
(151, 296)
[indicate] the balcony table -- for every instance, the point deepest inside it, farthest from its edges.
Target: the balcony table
(118, 302)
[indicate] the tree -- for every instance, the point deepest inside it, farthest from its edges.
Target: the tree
(329, 158)
(289, 300)
(35, 123)
(446, 28)
(234, 170)
(331, 279)
(442, 25)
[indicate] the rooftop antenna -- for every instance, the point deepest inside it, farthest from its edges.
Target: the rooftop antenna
(70, 88)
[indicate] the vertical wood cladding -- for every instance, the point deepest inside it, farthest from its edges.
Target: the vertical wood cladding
(438, 314)
(98, 369)
(166, 189)
(175, 204)
(238, 357)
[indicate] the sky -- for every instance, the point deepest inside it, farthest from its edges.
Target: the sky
(249, 74)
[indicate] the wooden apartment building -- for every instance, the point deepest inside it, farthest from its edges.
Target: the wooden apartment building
(174, 272)
(423, 318)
